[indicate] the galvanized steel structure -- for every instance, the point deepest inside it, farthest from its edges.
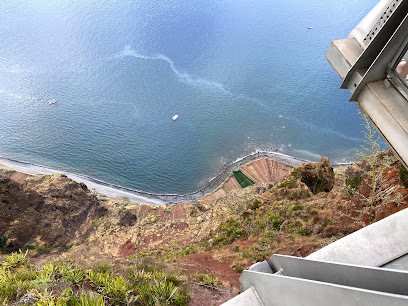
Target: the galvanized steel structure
(367, 60)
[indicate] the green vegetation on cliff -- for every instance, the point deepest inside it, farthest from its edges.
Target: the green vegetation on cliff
(64, 283)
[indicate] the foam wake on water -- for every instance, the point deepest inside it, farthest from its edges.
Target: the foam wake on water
(187, 78)
(184, 77)
(311, 126)
(16, 96)
(308, 154)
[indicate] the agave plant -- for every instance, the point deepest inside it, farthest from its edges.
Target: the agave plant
(207, 279)
(15, 259)
(10, 286)
(98, 280)
(46, 299)
(91, 301)
(74, 276)
(49, 270)
(158, 291)
(117, 288)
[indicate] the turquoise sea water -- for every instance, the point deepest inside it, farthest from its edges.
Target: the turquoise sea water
(241, 75)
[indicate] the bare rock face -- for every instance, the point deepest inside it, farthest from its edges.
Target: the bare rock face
(48, 210)
(319, 176)
(126, 218)
(19, 210)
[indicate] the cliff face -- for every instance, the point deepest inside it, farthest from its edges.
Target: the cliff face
(58, 212)
(219, 235)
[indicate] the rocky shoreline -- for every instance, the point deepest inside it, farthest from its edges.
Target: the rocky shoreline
(138, 196)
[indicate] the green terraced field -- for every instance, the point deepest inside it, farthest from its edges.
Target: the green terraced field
(242, 179)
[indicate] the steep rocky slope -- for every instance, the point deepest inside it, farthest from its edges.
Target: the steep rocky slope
(220, 236)
(46, 211)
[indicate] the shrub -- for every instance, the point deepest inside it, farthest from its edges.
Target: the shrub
(104, 267)
(151, 218)
(352, 184)
(44, 250)
(255, 204)
(269, 239)
(276, 223)
(403, 175)
(124, 203)
(3, 242)
(207, 279)
(297, 206)
(42, 281)
(301, 230)
(377, 162)
(230, 231)
(189, 250)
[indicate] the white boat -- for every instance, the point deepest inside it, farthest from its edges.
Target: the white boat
(52, 101)
(175, 117)
(309, 28)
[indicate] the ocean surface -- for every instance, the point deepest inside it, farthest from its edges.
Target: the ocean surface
(241, 75)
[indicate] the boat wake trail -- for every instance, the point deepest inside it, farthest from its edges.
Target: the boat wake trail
(310, 126)
(182, 76)
(16, 96)
(186, 78)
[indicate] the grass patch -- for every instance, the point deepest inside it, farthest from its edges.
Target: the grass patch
(103, 199)
(242, 179)
(44, 250)
(189, 250)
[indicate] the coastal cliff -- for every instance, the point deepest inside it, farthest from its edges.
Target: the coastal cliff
(46, 211)
(201, 246)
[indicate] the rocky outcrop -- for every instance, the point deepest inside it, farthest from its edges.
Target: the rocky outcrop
(126, 218)
(319, 176)
(53, 215)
